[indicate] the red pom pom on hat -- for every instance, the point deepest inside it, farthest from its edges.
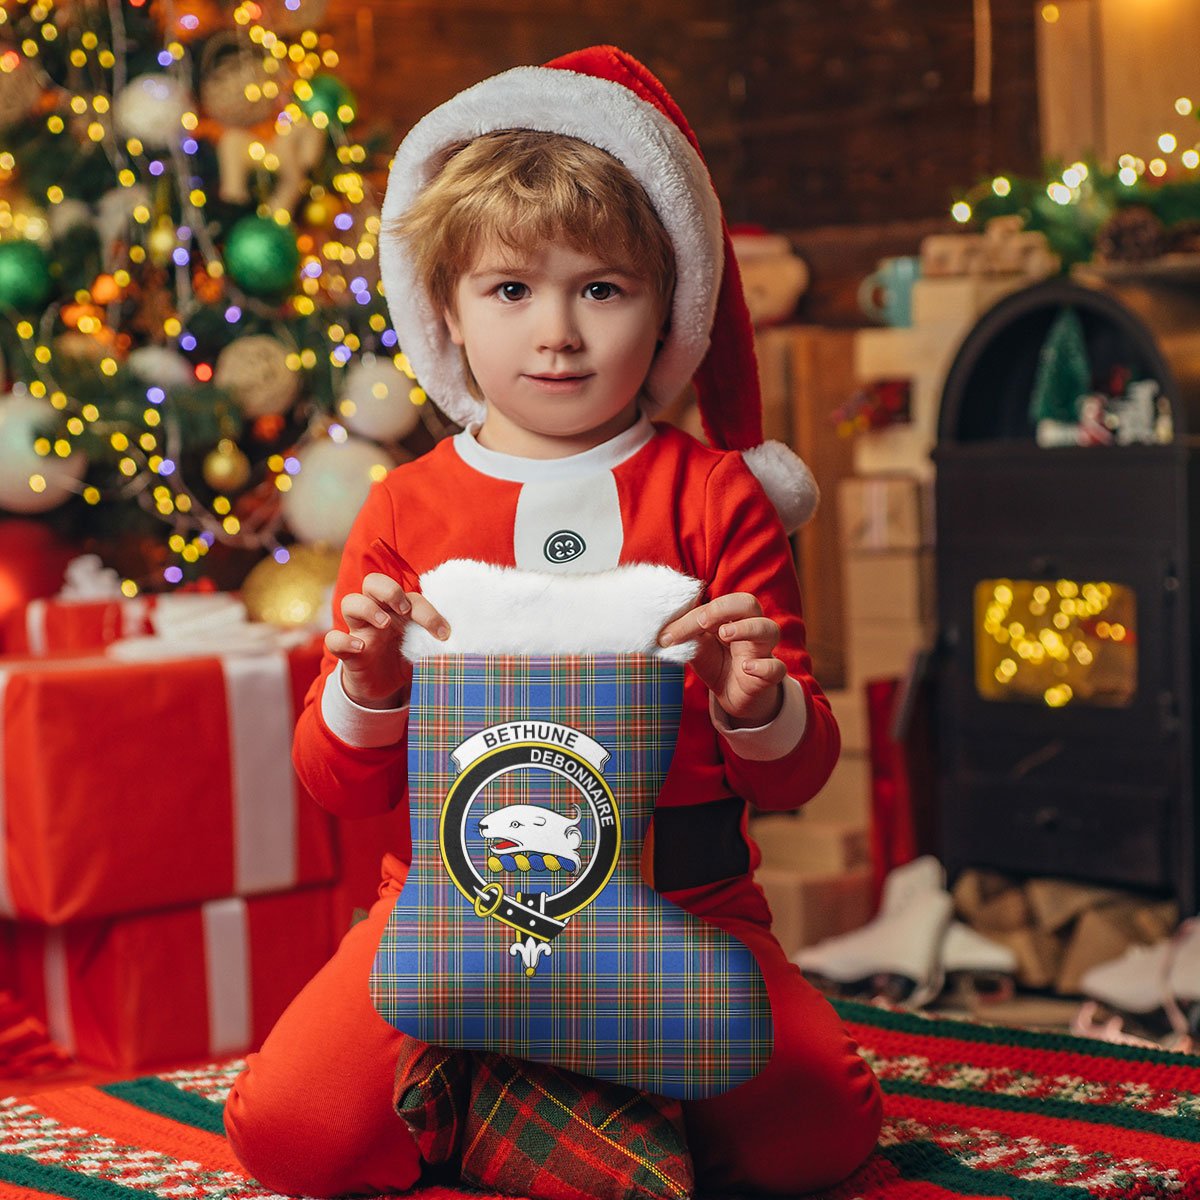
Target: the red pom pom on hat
(605, 96)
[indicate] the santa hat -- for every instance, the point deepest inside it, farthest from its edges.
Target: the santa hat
(607, 98)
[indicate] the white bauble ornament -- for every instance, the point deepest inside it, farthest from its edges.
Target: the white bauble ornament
(161, 366)
(23, 419)
(255, 370)
(150, 108)
(375, 401)
(236, 89)
(332, 484)
(66, 215)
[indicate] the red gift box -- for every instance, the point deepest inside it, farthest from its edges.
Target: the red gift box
(177, 986)
(128, 787)
(76, 626)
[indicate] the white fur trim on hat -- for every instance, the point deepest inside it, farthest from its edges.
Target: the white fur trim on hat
(594, 110)
(786, 479)
(620, 611)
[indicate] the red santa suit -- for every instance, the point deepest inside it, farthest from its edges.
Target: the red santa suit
(650, 495)
(313, 1111)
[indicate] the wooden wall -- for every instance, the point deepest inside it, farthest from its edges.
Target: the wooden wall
(1111, 71)
(810, 113)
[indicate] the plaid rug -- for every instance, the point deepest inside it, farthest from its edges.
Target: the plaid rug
(971, 1111)
(532, 783)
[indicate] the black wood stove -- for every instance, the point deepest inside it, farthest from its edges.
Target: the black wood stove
(1067, 588)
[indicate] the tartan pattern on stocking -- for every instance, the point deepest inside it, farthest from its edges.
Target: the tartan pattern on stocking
(631, 988)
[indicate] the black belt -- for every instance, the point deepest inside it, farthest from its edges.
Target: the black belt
(695, 844)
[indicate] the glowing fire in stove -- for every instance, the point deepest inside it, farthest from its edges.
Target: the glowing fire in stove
(1056, 641)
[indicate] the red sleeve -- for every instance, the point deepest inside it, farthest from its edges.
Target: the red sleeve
(748, 551)
(352, 781)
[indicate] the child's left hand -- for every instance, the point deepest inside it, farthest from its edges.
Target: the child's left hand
(734, 655)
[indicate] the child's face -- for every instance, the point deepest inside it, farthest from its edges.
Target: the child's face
(560, 313)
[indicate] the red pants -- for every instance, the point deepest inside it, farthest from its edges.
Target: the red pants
(312, 1112)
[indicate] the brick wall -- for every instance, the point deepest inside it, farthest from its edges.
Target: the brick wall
(809, 113)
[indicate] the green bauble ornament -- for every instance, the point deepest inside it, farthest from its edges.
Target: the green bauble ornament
(262, 256)
(329, 95)
(24, 275)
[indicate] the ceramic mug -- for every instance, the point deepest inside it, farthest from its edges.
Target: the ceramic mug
(886, 294)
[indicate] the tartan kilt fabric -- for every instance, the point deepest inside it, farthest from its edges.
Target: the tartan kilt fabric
(532, 1130)
(525, 926)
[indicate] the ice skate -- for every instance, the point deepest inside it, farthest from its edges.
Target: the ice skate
(924, 874)
(977, 966)
(897, 954)
(1147, 992)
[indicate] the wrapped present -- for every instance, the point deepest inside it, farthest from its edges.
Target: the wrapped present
(132, 786)
(174, 986)
(89, 611)
(75, 626)
(161, 627)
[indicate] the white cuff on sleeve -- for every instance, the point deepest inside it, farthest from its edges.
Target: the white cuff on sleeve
(356, 725)
(765, 743)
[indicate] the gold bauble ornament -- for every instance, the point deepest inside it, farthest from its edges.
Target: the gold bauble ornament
(293, 593)
(318, 213)
(161, 242)
(226, 468)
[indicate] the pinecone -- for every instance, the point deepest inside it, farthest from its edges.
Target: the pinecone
(1132, 235)
(1184, 238)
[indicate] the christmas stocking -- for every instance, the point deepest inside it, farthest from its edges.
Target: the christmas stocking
(525, 926)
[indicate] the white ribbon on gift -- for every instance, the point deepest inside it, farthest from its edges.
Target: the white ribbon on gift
(57, 979)
(227, 970)
(35, 626)
(226, 934)
(265, 837)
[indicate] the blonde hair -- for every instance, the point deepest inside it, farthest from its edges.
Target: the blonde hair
(519, 188)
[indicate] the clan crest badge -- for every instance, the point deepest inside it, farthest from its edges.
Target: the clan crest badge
(493, 852)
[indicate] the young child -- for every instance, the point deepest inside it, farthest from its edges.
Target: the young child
(558, 268)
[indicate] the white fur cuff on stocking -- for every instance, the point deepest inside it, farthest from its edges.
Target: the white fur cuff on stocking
(502, 610)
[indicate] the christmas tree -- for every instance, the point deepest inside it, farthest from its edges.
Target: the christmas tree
(194, 340)
(1064, 373)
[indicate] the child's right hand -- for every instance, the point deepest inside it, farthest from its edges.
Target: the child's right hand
(374, 672)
